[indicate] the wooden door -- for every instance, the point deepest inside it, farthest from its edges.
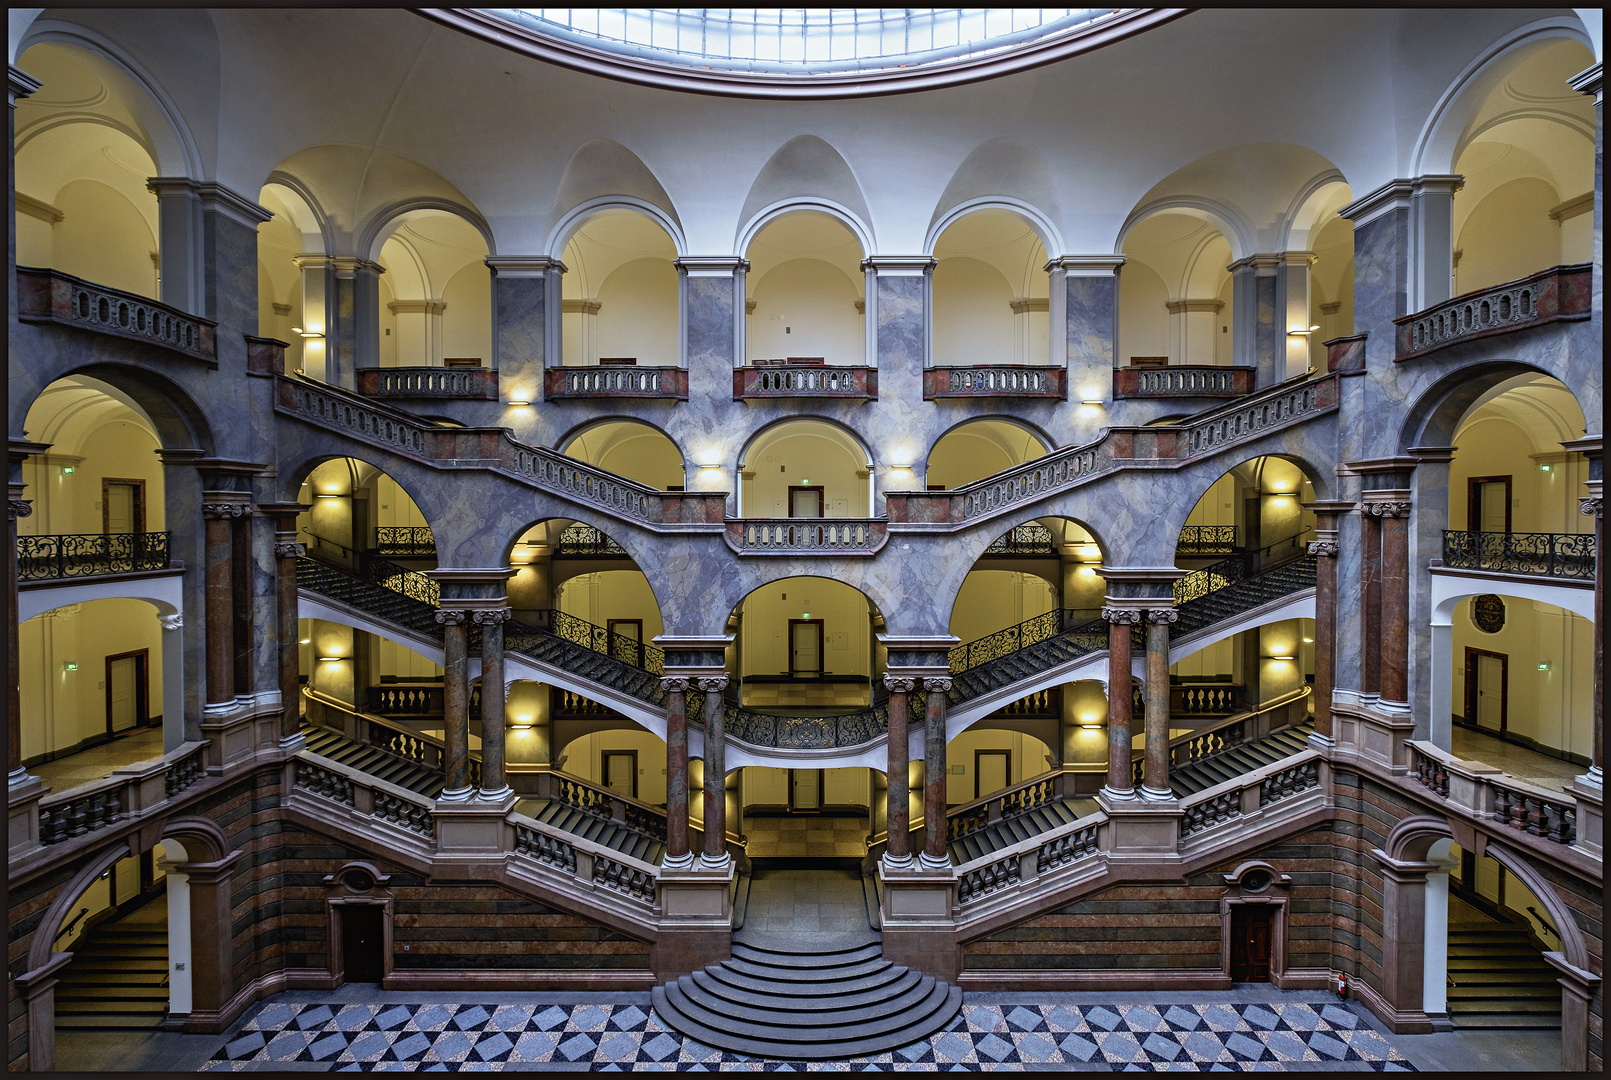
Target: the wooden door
(361, 943)
(805, 791)
(992, 771)
(127, 699)
(122, 505)
(621, 772)
(1487, 690)
(1488, 504)
(805, 502)
(805, 646)
(1250, 942)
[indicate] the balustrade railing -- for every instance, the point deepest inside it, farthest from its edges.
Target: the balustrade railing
(815, 732)
(1011, 802)
(55, 555)
(1183, 380)
(1000, 874)
(1488, 794)
(1250, 792)
(1024, 540)
(1561, 293)
(1206, 813)
(405, 541)
(995, 380)
(1207, 540)
(1272, 410)
(128, 793)
(458, 383)
(1209, 699)
(364, 794)
(599, 639)
(1555, 555)
(585, 862)
(1057, 470)
(818, 381)
(583, 483)
(807, 536)
(560, 383)
(45, 295)
(1529, 811)
(1200, 583)
(1037, 705)
(1428, 771)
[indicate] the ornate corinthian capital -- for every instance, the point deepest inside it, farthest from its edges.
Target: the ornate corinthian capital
(289, 551)
(1388, 509)
(1162, 615)
(713, 685)
(224, 510)
(937, 685)
(897, 685)
(450, 617)
(1323, 547)
(674, 686)
(1124, 616)
(490, 616)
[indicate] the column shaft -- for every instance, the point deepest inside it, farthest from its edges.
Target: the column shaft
(1120, 782)
(1325, 552)
(1593, 506)
(286, 550)
(934, 772)
(1155, 780)
(220, 611)
(715, 771)
(1370, 568)
(899, 816)
(676, 769)
(18, 508)
(455, 704)
(1395, 634)
(494, 778)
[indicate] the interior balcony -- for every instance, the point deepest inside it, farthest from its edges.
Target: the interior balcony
(1018, 381)
(1559, 294)
(460, 379)
(1155, 377)
(614, 377)
(51, 296)
(803, 377)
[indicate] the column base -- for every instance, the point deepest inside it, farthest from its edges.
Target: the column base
(1115, 795)
(721, 865)
(934, 864)
(678, 862)
(456, 795)
(1154, 795)
(293, 744)
(495, 795)
(896, 864)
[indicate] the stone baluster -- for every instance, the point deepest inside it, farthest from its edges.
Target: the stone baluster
(898, 851)
(455, 704)
(1120, 784)
(934, 856)
(1155, 780)
(715, 855)
(494, 774)
(677, 854)
(220, 510)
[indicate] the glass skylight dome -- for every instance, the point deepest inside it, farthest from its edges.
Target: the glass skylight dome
(795, 42)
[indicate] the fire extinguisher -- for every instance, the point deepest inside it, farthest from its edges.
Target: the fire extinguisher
(1342, 987)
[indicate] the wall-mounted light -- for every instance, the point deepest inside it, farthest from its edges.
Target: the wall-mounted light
(1090, 722)
(1308, 641)
(710, 466)
(68, 470)
(519, 403)
(1092, 400)
(521, 723)
(328, 495)
(69, 665)
(1289, 658)
(330, 659)
(306, 333)
(305, 641)
(1302, 333)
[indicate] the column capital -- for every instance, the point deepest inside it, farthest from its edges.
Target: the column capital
(19, 508)
(218, 505)
(1431, 455)
(900, 265)
(19, 450)
(711, 265)
(450, 617)
(172, 622)
(1393, 505)
(1590, 506)
(896, 684)
(523, 265)
(713, 684)
(345, 266)
(937, 684)
(675, 685)
(491, 616)
(1262, 264)
(1163, 616)
(1328, 548)
(1121, 616)
(289, 550)
(1588, 81)
(1085, 265)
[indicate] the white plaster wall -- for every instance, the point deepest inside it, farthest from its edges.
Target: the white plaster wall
(1028, 758)
(585, 757)
(1143, 316)
(973, 319)
(638, 313)
(806, 307)
(789, 460)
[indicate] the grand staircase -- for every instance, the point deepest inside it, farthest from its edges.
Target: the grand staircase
(1009, 831)
(1497, 978)
(612, 834)
(118, 977)
(1239, 760)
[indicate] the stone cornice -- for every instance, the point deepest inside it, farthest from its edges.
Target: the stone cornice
(523, 265)
(1086, 265)
(899, 265)
(1432, 454)
(19, 84)
(711, 265)
(1396, 195)
(1587, 81)
(1263, 264)
(416, 307)
(38, 208)
(1177, 306)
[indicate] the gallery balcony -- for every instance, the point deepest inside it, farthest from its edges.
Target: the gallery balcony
(456, 382)
(1181, 381)
(1550, 555)
(803, 377)
(1019, 381)
(50, 296)
(615, 380)
(1559, 294)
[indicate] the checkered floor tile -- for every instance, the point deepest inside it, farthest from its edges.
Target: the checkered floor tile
(614, 1037)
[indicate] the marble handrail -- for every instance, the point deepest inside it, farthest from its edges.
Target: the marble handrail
(1002, 876)
(126, 794)
(807, 536)
(584, 863)
(365, 796)
(460, 383)
(995, 381)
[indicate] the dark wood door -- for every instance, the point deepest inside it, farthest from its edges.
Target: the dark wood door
(361, 943)
(805, 502)
(1250, 942)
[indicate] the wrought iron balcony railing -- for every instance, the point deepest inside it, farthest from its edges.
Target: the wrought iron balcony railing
(1206, 540)
(50, 557)
(1555, 555)
(411, 541)
(1024, 540)
(1561, 293)
(585, 541)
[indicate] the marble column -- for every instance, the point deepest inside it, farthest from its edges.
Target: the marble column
(1083, 313)
(317, 333)
(1395, 602)
(677, 854)
(220, 512)
(494, 773)
(898, 315)
(357, 321)
(934, 856)
(17, 507)
(455, 704)
(715, 855)
(527, 321)
(711, 294)
(898, 819)
(286, 552)
(1121, 784)
(1592, 506)
(1431, 236)
(1256, 339)
(181, 244)
(1325, 549)
(1370, 572)
(1155, 777)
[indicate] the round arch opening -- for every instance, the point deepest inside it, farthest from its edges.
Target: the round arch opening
(805, 293)
(805, 468)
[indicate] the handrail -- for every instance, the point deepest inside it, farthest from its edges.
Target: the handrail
(651, 808)
(51, 556)
(64, 931)
(1263, 707)
(963, 808)
(1556, 555)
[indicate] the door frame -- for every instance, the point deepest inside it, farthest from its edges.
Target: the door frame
(821, 665)
(337, 957)
(813, 810)
(138, 510)
(604, 768)
(1245, 909)
(1473, 499)
(142, 688)
(805, 487)
(1471, 687)
(611, 624)
(978, 755)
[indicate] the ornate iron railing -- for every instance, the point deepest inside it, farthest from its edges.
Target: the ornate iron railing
(405, 541)
(1556, 555)
(1029, 539)
(52, 296)
(54, 556)
(1206, 540)
(585, 540)
(779, 380)
(807, 536)
(1209, 579)
(560, 383)
(464, 383)
(602, 640)
(1184, 380)
(995, 380)
(1002, 642)
(1559, 293)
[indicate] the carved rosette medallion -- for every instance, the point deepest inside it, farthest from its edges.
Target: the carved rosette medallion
(1488, 612)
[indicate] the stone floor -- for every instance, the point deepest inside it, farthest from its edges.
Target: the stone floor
(806, 835)
(1517, 761)
(69, 772)
(815, 900)
(806, 695)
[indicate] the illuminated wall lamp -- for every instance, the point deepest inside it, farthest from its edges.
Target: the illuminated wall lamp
(710, 466)
(1544, 666)
(1288, 658)
(1094, 401)
(1302, 333)
(519, 403)
(330, 659)
(306, 333)
(305, 641)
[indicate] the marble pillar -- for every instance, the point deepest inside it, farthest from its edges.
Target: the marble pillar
(180, 242)
(17, 507)
(1325, 549)
(934, 856)
(1381, 279)
(1395, 597)
(898, 312)
(711, 293)
(1121, 784)
(356, 324)
(1155, 777)
(715, 856)
(1293, 315)
(1593, 506)
(494, 773)
(1431, 235)
(455, 704)
(1256, 339)
(220, 512)
(527, 322)
(286, 552)
(1084, 317)
(677, 854)
(898, 819)
(318, 332)
(1370, 572)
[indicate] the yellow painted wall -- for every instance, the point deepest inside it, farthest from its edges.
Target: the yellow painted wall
(992, 600)
(973, 318)
(846, 633)
(776, 464)
(806, 307)
(1555, 707)
(612, 594)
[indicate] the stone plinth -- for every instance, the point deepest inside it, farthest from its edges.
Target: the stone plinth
(917, 915)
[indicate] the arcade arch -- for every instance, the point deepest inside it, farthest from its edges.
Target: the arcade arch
(806, 297)
(630, 448)
(805, 468)
(990, 292)
(358, 512)
(436, 292)
(975, 449)
(620, 292)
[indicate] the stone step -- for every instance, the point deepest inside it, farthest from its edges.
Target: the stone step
(786, 997)
(796, 1013)
(807, 975)
(1512, 992)
(93, 994)
(789, 963)
(752, 984)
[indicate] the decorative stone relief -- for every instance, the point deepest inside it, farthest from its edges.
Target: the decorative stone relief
(1388, 509)
(450, 617)
(938, 685)
(896, 685)
(1488, 612)
(171, 622)
(1590, 507)
(1121, 616)
(290, 551)
(1323, 547)
(21, 508)
(225, 510)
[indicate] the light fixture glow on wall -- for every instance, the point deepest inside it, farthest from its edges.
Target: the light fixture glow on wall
(69, 665)
(330, 659)
(519, 403)
(1544, 666)
(305, 641)
(1283, 658)
(1302, 333)
(1308, 641)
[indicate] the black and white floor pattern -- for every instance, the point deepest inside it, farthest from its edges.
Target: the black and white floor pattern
(384, 1036)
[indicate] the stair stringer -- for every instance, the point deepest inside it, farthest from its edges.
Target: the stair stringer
(1237, 838)
(1094, 665)
(513, 871)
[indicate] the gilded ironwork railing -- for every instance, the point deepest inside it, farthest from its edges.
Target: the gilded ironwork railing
(1209, 579)
(1002, 642)
(1556, 555)
(54, 556)
(585, 540)
(1206, 540)
(601, 640)
(1024, 540)
(412, 541)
